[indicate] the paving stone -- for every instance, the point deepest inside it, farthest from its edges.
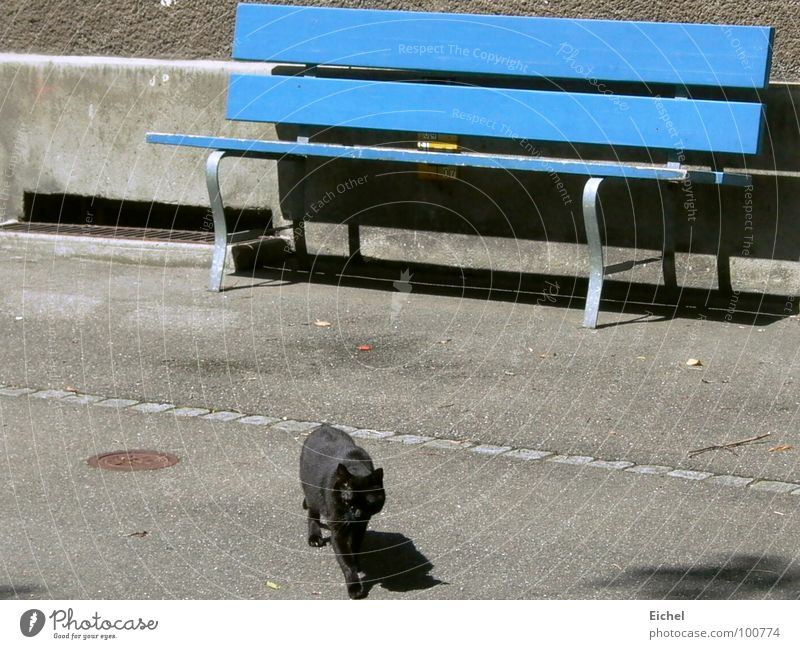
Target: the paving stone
(571, 459)
(448, 444)
(15, 392)
(686, 474)
(295, 427)
(489, 449)
(528, 454)
(52, 394)
(223, 415)
(117, 403)
(367, 433)
(729, 480)
(347, 429)
(611, 465)
(189, 412)
(82, 399)
(257, 420)
(152, 408)
(773, 486)
(650, 469)
(409, 439)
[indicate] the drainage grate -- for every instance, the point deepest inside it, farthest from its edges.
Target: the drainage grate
(111, 232)
(133, 460)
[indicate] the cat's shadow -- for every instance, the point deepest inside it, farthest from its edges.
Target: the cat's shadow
(392, 561)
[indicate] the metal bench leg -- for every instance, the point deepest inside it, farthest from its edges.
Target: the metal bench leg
(354, 242)
(724, 272)
(668, 253)
(592, 225)
(297, 208)
(218, 212)
(300, 247)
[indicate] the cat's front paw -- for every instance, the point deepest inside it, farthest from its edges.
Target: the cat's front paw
(316, 541)
(357, 590)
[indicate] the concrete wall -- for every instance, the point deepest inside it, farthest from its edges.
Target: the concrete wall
(198, 29)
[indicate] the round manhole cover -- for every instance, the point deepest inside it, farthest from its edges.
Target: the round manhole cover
(133, 460)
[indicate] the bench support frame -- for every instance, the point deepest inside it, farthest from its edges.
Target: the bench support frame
(218, 213)
(592, 216)
(671, 196)
(596, 258)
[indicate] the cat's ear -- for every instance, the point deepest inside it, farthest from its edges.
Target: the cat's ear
(377, 475)
(342, 475)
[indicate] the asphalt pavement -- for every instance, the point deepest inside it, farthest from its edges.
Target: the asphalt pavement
(525, 457)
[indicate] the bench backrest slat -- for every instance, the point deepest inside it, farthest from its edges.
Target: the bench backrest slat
(730, 127)
(555, 48)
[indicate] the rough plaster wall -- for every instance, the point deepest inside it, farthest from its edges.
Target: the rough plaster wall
(190, 29)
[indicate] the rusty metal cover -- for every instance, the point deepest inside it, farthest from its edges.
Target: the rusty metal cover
(134, 460)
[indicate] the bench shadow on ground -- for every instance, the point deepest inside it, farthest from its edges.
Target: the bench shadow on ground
(641, 301)
(391, 560)
(741, 576)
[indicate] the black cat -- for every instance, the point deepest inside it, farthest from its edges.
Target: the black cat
(342, 487)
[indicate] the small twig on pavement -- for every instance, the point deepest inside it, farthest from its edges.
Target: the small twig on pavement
(729, 446)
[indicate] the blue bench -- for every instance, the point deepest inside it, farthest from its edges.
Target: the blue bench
(471, 75)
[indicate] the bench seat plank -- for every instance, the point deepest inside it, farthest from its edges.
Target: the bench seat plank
(280, 149)
(556, 48)
(651, 122)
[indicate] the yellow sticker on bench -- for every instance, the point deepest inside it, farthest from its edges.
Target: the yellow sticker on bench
(437, 142)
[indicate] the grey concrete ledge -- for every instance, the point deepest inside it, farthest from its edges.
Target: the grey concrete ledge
(75, 61)
(162, 253)
(295, 427)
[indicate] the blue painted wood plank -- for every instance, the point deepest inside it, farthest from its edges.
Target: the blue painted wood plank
(556, 48)
(280, 149)
(678, 124)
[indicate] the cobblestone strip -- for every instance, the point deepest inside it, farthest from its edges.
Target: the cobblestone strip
(294, 427)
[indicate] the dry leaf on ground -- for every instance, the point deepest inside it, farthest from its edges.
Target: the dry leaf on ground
(694, 362)
(781, 448)
(322, 323)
